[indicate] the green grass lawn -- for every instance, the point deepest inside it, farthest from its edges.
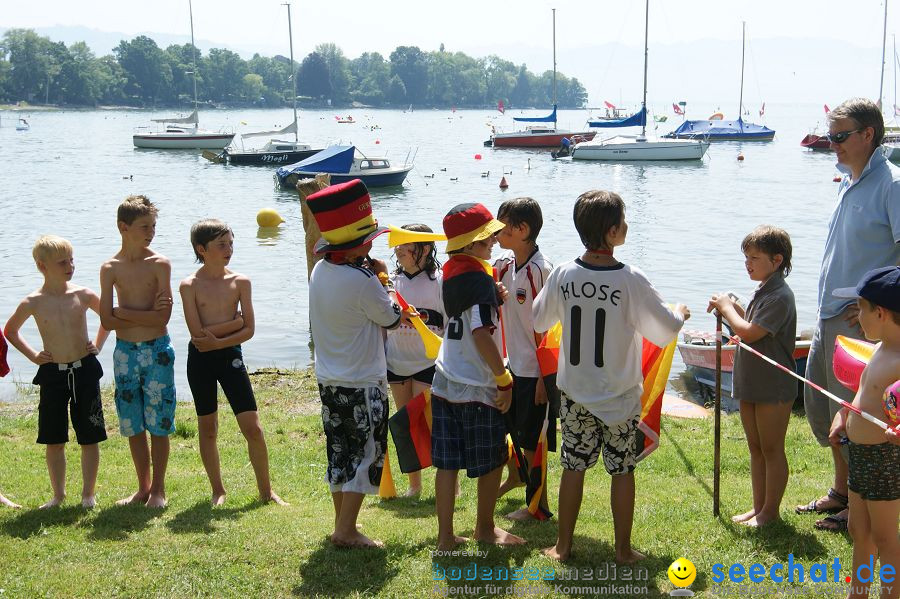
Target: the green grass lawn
(249, 549)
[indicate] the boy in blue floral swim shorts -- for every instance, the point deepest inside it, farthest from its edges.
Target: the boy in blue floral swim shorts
(143, 359)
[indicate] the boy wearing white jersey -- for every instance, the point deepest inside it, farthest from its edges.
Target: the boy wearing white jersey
(522, 269)
(605, 307)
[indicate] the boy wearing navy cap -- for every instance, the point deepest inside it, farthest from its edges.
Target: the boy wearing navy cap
(348, 307)
(874, 480)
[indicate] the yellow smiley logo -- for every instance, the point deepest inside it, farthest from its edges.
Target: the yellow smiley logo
(682, 572)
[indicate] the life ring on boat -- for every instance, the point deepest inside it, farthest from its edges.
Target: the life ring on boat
(716, 116)
(850, 358)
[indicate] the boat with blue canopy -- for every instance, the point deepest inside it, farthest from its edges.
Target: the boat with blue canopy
(722, 130)
(344, 163)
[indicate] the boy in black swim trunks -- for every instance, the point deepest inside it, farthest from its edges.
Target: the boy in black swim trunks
(219, 316)
(68, 370)
(874, 480)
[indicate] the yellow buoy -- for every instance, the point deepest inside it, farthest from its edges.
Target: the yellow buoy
(268, 217)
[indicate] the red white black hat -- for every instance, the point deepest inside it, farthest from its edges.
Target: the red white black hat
(467, 223)
(344, 215)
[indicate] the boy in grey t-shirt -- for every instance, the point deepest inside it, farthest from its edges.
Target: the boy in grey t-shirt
(766, 394)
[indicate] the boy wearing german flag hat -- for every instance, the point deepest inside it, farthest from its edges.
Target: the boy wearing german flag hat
(348, 307)
(471, 388)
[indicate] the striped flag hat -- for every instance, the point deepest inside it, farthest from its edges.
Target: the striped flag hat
(467, 223)
(344, 215)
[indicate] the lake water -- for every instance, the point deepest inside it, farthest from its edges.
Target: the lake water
(68, 174)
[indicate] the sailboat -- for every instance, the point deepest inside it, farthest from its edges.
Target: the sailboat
(623, 147)
(721, 130)
(891, 142)
(177, 137)
(276, 151)
(538, 136)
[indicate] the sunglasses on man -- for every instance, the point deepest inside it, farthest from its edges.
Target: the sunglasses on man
(841, 137)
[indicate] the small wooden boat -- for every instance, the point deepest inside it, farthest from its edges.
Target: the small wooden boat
(698, 351)
(813, 141)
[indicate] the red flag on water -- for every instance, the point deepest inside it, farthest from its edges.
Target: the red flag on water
(827, 110)
(678, 109)
(500, 106)
(609, 105)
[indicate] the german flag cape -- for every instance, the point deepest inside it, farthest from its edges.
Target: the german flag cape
(656, 363)
(411, 429)
(537, 477)
(468, 281)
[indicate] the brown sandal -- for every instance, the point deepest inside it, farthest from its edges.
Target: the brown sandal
(833, 523)
(813, 506)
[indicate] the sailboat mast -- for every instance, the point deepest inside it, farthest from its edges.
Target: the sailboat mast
(883, 48)
(554, 68)
(644, 101)
(741, 96)
(293, 72)
(193, 54)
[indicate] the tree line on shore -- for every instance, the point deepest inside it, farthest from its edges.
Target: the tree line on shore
(139, 73)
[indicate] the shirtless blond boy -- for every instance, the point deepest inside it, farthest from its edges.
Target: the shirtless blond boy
(874, 480)
(219, 314)
(143, 359)
(68, 370)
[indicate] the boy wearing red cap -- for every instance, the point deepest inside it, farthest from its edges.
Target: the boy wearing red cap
(348, 307)
(874, 481)
(471, 387)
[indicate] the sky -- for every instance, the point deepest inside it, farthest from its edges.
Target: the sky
(594, 39)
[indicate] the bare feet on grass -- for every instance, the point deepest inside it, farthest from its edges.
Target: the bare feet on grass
(498, 536)
(759, 519)
(412, 492)
(557, 554)
(508, 486)
(451, 543)
(273, 498)
(55, 501)
(355, 540)
(8, 503)
(523, 515)
(157, 501)
(738, 518)
(139, 498)
(88, 502)
(629, 557)
(218, 499)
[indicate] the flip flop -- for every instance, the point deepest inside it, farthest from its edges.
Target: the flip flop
(835, 523)
(813, 506)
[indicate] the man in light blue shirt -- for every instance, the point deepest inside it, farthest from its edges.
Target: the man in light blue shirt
(863, 234)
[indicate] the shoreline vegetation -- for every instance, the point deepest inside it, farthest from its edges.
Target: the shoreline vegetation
(245, 548)
(139, 73)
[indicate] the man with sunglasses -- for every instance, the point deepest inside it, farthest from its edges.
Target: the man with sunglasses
(863, 234)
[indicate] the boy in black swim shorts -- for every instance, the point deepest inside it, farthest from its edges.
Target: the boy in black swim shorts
(219, 315)
(68, 370)
(873, 480)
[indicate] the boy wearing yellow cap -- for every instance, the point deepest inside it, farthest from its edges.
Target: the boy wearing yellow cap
(348, 307)
(471, 388)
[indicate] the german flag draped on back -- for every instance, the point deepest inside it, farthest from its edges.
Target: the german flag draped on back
(656, 363)
(468, 281)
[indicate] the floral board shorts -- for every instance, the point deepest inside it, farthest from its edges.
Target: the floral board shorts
(145, 386)
(584, 437)
(355, 420)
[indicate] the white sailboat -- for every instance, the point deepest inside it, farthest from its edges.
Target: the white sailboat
(176, 136)
(624, 147)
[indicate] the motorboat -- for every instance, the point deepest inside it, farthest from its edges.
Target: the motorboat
(344, 163)
(22, 125)
(698, 351)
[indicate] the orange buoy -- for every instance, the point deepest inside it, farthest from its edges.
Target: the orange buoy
(503, 183)
(740, 157)
(477, 156)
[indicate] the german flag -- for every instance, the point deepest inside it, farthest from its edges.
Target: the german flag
(411, 429)
(537, 477)
(468, 281)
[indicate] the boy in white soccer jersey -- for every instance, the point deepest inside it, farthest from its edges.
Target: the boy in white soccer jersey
(348, 307)
(523, 270)
(605, 307)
